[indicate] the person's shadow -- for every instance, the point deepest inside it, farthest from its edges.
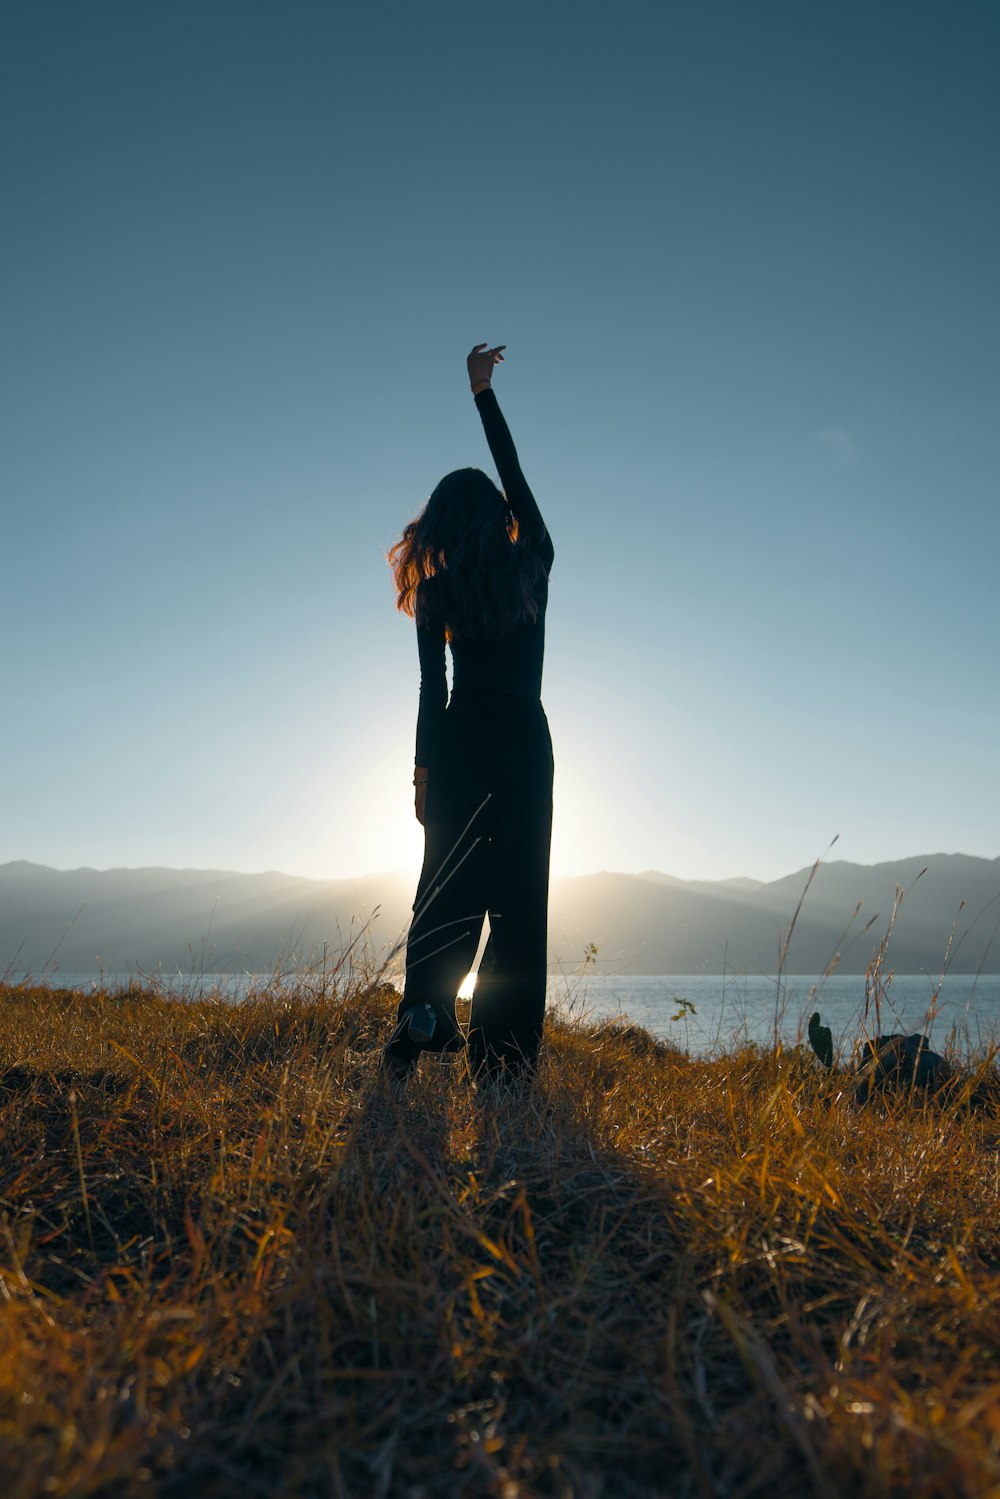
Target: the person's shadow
(537, 1260)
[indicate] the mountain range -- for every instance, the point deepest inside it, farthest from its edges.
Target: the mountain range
(122, 920)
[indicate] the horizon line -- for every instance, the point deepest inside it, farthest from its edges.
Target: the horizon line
(412, 870)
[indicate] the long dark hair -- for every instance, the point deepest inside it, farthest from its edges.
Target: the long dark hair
(460, 561)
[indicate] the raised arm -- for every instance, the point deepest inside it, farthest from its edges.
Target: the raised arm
(530, 525)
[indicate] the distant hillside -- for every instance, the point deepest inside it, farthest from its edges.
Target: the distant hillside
(218, 921)
(193, 919)
(651, 924)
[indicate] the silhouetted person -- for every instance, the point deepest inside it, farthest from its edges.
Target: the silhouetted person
(473, 570)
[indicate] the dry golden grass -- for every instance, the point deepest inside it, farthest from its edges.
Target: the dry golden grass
(233, 1265)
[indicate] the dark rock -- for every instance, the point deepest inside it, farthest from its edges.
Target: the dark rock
(635, 1039)
(896, 1063)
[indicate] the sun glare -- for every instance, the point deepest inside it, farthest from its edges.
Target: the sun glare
(467, 986)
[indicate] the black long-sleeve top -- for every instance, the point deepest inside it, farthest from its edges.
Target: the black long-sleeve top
(513, 663)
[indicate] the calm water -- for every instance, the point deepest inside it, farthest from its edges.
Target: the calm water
(755, 1006)
(967, 1008)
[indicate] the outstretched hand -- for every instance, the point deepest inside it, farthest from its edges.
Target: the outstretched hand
(481, 363)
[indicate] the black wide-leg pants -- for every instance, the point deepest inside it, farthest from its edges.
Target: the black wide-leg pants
(488, 827)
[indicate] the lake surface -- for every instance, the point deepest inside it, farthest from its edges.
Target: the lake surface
(966, 1012)
(719, 1009)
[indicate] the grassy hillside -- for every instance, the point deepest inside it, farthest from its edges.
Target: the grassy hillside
(232, 1265)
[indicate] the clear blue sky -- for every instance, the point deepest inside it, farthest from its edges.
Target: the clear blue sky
(744, 258)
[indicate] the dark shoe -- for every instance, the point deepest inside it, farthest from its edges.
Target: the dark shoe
(429, 1028)
(415, 1031)
(419, 1028)
(414, 1028)
(421, 1024)
(402, 1051)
